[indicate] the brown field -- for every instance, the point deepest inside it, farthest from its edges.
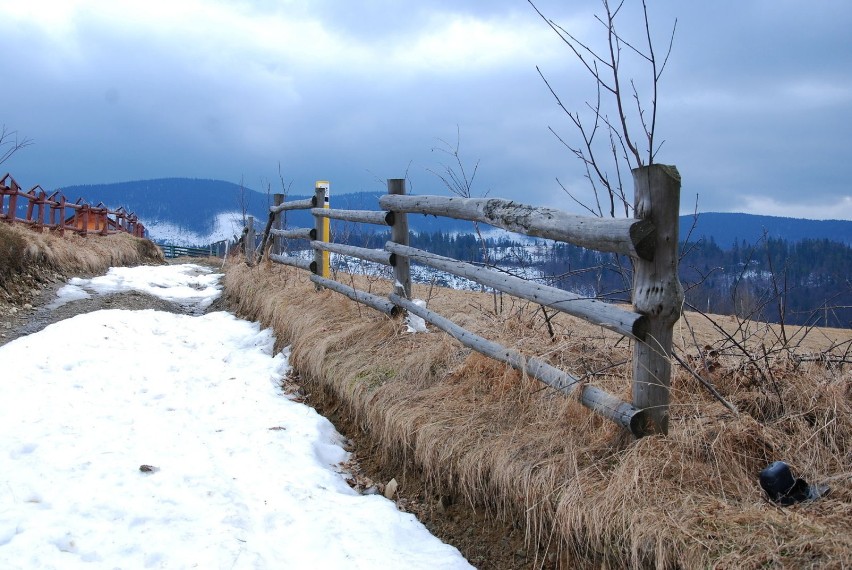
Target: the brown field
(587, 494)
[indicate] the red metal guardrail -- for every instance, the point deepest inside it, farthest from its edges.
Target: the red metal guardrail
(62, 215)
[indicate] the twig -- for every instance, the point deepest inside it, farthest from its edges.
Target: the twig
(706, 384)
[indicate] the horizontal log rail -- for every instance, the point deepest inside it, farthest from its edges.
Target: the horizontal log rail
(381, 304)
(294, 205)
(623, 236)
(601, 402)
(306, 264)
(379, 256)
(55, 213)
(297, 233)
(607, 315)
(359, 216)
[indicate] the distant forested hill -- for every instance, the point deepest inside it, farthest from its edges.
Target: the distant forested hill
(186, 202)
(194, 205)
(725, 228)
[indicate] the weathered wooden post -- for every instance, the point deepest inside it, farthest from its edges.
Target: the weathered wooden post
(319, 226)
(250, 241)
(41, 200)
(62, 201)
(119, 220)
(31, 196)
(85, 218)
(13, 200)
(657, 292)
(399, 234)
(57, 215)
(322, 227)
(277, 223)
(103, 219)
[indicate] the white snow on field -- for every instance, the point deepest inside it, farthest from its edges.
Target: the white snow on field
(236, 475)
(189, 284)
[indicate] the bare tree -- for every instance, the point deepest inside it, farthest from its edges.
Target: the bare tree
(600, 134)
(243, 201)
(285, 190)
(10, 143)
(459, 180)
(610, 145)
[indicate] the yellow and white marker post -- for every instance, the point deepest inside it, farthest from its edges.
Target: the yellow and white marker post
(325, 186)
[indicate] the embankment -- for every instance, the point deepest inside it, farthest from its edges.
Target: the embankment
(484, 434)
(28, 258)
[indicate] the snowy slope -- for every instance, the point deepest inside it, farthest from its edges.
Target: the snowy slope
(147, 439)
(226, 226)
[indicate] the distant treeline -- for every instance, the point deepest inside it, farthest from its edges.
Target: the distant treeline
(805, 282)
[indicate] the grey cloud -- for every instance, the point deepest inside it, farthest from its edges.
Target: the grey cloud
(120, 105)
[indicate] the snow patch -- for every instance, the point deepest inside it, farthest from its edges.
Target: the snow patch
(189, 285)
(415, 324)
(67, 294)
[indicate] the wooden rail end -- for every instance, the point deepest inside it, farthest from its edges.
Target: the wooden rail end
(640, 327)
(643, 234)
(640, 424)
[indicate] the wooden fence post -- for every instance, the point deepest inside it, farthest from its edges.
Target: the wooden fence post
(399, 234)
(62, 201)
(277, 223)
(250, 241)
(13, 200)
(321, 226)
(41, 200)
(30, 204)
(657, 292)
(324, 229)
(103, 218)
(85, 218)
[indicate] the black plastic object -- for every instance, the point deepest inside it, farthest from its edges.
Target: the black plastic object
(778, 482)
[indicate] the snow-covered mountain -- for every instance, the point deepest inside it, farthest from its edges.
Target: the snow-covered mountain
(226, 225)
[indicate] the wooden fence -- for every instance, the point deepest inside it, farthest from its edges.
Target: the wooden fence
(171, 251)
(651, 239)
(54, 212)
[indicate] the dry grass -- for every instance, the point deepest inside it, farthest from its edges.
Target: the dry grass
(25, 251)
(489, 436)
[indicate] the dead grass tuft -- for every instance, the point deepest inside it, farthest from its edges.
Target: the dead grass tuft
(485, 434)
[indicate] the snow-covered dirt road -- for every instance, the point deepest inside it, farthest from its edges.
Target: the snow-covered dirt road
(146, 439)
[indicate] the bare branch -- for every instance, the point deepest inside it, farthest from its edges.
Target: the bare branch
(573, 43)
(581, 204)
(10, 147)
(605, 67)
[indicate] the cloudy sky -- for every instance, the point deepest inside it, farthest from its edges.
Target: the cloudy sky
(755, 105)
